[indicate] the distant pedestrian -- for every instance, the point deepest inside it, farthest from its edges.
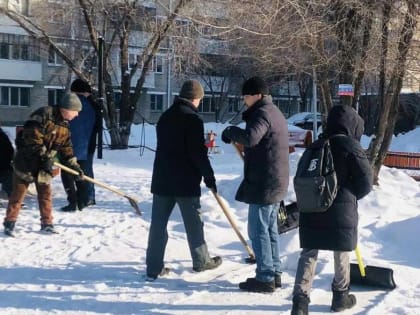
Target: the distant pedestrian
(181, 162)
(45, 134)
(336, 228)
(84, 128)
(6, 158)
(266, 177)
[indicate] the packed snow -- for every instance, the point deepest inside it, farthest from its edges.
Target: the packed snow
(96, 265)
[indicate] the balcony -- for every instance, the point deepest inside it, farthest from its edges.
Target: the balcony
(20, 70)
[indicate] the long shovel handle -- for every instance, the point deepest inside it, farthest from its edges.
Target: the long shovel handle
(133, 201)
(238, 150)
(233, 224)
(360, 262)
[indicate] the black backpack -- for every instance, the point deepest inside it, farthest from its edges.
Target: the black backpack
(315, 181)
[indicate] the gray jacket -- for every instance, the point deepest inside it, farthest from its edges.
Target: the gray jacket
(266, 147)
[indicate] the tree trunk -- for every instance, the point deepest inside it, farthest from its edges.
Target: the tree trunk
(385, 129)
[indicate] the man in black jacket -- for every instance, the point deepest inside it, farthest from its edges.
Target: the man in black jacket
(6, 158)
(181, 162)
(336, 228)
(266, 178)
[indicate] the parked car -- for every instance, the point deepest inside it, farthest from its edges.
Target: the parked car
(305, 120)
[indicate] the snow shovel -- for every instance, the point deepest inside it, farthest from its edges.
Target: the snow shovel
(133, 202)
(251, 258)
(371, 276)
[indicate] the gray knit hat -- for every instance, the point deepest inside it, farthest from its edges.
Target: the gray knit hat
(71, 101)
(191, 89)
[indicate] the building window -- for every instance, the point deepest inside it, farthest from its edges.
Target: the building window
(207, 105)
(156, 102)
(234, 106)
(56, 16)
(14, 96)
(132, 60)
(4, 51)
(157, 64)
(18, 47)
(54, 96)
(53, 58)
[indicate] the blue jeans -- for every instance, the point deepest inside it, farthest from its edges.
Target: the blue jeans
(263, 233)
(158, 234)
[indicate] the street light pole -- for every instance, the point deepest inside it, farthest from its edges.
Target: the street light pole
(314, 106)
(100, 98)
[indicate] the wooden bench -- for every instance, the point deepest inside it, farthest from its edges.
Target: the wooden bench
(404, 160)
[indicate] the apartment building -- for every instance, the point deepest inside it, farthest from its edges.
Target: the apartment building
(33, 75)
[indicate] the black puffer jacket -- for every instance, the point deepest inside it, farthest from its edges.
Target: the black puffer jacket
(336, 229)
(266, 147)
(181, 157)
(6, 156)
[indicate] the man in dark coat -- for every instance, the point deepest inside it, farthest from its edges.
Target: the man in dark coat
(336, 228)
(6, 158)
(44, 136)
(181, 162)
(266, 178)
(80, 194)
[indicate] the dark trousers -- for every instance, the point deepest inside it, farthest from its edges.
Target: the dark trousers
(77, 191)
(158, 234)
(6, 181)
(89, 172)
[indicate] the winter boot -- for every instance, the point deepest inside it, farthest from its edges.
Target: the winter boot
(254, 285)
(300, 304)
(9, 226)
(71, 207)
(214, 262)
(277, 280)
(48, 229)
(342, 300)
(162, 273)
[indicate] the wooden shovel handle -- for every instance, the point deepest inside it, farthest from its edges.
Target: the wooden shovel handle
(233, 224)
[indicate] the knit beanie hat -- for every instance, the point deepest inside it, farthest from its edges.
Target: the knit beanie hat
(191, 89)
(80, 86)
(255, 85)
(71, 101)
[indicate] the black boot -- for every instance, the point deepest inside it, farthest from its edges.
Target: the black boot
(214, 262)
(277, 280)
(71, 207)
(254, 285)
(342, 300)
(9, 226)
(300, 304)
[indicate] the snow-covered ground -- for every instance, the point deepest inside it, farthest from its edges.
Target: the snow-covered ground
(96, 265)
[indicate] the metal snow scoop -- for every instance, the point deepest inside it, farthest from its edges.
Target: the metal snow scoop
(133, 201)
(378, 277)
(251, 258)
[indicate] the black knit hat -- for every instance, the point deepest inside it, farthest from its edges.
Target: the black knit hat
(71, 101)
(255, 85)
(191, 89)
(80, 86)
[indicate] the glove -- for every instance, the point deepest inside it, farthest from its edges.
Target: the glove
(225, 138)
(79, 176)
(210, 183)
(47, 165)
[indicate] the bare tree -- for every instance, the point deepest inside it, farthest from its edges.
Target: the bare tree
(115, 21)
(387, 118)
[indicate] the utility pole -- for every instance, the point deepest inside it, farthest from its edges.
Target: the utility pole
(100, 98)
(314, 106)
(170, 55)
